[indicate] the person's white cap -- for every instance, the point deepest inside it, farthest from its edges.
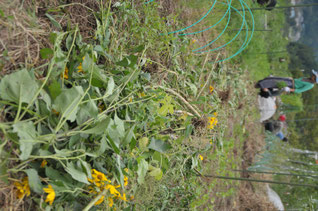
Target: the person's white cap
(316, 74)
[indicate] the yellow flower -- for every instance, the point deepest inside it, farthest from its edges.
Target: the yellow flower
(201, 157)
(23, 188)
(212, 122)
(65, 74)
(211, 89)
(51, 194)
(126, 170)
(43, 164)
(132, 198)
(80, 67)
(215, 113)
(100, 200)
(112, 189)
(110, 201)
(193, 41)
(123, 197)
(98, 178)
(125, 181)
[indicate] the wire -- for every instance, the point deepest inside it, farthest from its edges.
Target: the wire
(248, 36)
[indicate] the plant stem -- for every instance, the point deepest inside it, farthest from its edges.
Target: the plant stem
(91, 203)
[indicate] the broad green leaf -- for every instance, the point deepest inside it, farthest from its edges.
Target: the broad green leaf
(99, 49)
(99, 128)
(87, 168)
(159, 145)
(156, 173)
(69, 41)
(67, 102)
(103, 146)
(110, 87)
(162, 160)
(55, 89)
(119, 126)
(46, 53)
(129, 135)
(114, 146)
(142, 170)
(34, 180)
(133, 60)
(166, 107)
(55, 175)
(86, 111)
(76, 174)
(18, 86)
(124, 63)
(88, 64)
(54, 22)
(27, 135)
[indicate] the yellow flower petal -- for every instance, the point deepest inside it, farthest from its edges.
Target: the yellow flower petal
(51, 194)
(100, 200)
(110, 202)
(201, 157)
(65, 74)
(125, 181)
(211, 89)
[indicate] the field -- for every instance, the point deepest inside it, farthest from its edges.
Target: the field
(102, 108)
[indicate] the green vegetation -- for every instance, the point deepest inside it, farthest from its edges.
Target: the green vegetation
(116, 113)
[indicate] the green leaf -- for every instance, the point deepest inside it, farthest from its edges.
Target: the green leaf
(138, 49)
(124, 63)
(54, 22)
(159, 145)
(46, 53)
(18, 86)
(69, 41)
(55, 175)
(27, 135)
(156, 172)
(162, 160)
(129, 135)
(110, 87)
(114, 146)
(78, 175)
(119, 126)
(34, 180)
(99, 128)
(67, 102)
(167, 107)
(87, 168)
(142, 170)
(88, 64)
(133, 60)
(103, 146)
(87, 110)
(55, 89)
